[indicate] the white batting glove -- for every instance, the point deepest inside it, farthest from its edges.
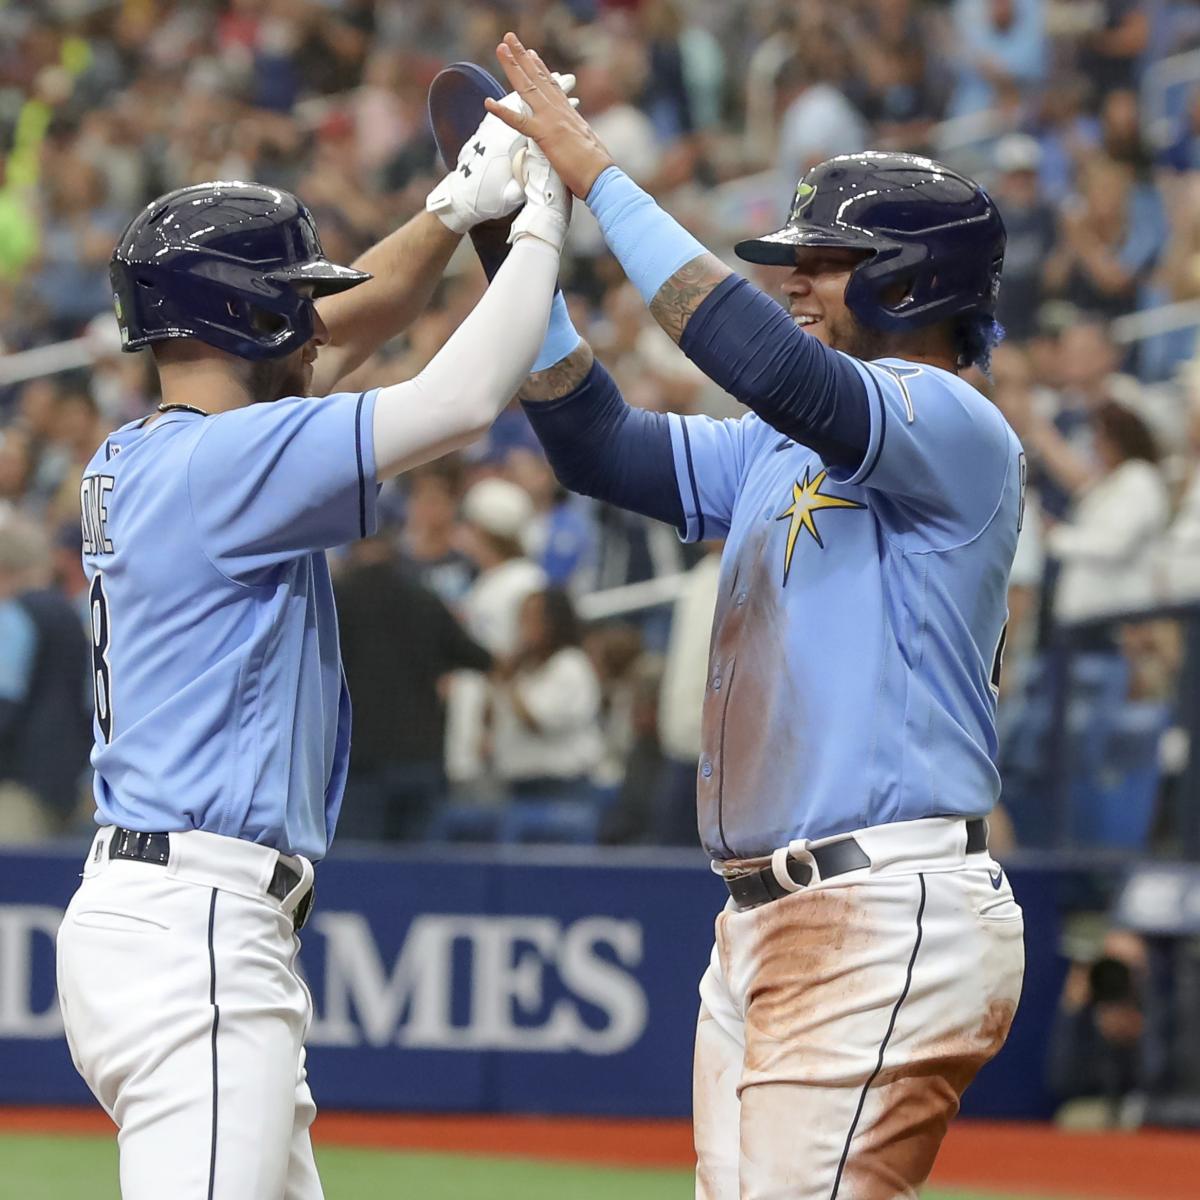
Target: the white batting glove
(482, 185)
(547, 211)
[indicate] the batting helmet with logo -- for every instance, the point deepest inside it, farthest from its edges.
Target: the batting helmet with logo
(220, 262)
(934, 241)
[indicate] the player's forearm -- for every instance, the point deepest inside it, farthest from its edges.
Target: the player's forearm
(670, 268)
(597, 444)
(478, 371)
(406, 265)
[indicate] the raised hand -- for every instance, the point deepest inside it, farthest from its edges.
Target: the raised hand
(547, 211)
(547, 117)
(482, 185)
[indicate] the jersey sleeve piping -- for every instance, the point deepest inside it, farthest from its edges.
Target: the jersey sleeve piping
(362, 479)
(685, 473)
(870, 459)
(364, 449)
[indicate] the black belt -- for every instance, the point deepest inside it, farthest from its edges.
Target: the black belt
(156, 848)
(761, 886)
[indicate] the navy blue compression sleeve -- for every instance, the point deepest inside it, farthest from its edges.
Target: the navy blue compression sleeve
(601, 447)
(741, 339)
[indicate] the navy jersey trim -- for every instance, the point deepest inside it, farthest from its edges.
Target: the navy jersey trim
(882, 428)
(721, 765)
(862, 1099)
(216, 1021)
(687, 453)
(362, 479)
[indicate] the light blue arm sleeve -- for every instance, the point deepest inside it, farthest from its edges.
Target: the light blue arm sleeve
(272, 481)
(938, 448)
(710, 464)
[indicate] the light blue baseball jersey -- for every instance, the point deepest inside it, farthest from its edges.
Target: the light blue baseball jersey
(859, 626)
(220, 699)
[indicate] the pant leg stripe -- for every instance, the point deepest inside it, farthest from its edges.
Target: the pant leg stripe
(862, 1099)
(216, 1020)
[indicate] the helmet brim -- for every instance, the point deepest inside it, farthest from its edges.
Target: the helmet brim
(778, 249)
(327, 278)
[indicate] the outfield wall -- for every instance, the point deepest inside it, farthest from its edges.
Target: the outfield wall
(553, 980)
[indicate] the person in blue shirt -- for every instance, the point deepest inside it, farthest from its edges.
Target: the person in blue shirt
(870, 958)
(222, 719)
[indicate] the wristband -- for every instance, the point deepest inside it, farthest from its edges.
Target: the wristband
(648, 243)
(561, 336)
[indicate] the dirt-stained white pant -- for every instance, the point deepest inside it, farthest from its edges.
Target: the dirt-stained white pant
(186, 1017)
(840, 1025)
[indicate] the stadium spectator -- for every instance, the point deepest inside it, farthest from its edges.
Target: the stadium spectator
(1107, 547)
(1099, 1053)
(545, 733)
(561, 538)
(45, 723)
(1030, 221)
(496, 514)
(1110, 240)
(1178, 560)
(427, 539)
(1113, 38)
(818, 120)
(685, 678)
(399, 643)
(1000, 41)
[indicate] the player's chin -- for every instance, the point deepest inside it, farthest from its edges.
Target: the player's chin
(816, 329)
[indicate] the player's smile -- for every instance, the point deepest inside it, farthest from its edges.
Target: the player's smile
(815, 291)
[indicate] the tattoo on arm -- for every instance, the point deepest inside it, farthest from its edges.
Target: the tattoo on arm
(564, 377)
(678, 298)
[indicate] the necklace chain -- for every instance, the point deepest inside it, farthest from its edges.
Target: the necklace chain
(166, 408)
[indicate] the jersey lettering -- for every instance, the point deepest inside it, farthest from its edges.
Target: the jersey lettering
(101, 668)
(93, 508)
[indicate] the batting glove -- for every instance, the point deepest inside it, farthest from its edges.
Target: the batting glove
(482, 185)
(547, 211)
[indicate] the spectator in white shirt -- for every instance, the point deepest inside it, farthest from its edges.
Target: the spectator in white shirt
(818, 122)
(496, 515)
(1179, 551)
(1107, 548)
(546, 738)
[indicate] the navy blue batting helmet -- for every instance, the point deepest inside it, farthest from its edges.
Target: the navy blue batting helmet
(934, 239)
(220, 262)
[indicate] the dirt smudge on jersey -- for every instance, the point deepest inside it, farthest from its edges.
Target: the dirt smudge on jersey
(752, 719)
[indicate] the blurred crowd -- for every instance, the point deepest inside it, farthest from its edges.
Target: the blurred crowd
(504, 688)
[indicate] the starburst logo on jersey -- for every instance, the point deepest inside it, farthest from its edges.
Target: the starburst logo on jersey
(807, 500)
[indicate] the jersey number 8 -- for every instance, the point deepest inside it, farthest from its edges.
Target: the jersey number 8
(101, 669)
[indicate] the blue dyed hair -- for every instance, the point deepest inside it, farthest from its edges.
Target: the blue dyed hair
(978, 335)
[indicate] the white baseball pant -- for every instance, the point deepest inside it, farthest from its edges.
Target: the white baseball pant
(185, 1015)
(840, 1025)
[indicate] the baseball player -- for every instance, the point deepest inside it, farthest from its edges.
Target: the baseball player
(222, 720)
(870, 958)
